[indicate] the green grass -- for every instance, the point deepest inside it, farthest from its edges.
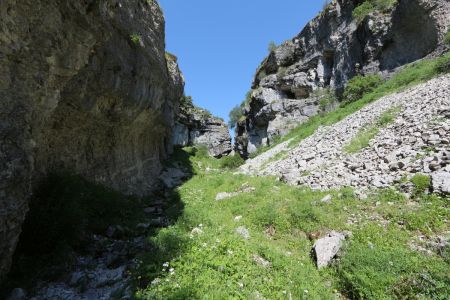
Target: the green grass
(411, 75)
(447, 37)
(378, 265)
(217, 263)
(421, 183)
(359, 85)
(232, 161)
(371, 6)
(362, 138)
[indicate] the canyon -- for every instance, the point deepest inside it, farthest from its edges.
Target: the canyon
(93, 107)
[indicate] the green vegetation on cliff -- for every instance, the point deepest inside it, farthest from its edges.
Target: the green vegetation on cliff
(371, 6)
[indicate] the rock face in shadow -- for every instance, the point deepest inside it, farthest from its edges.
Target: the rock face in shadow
(196, 126)
(331, 49)
(85, 86)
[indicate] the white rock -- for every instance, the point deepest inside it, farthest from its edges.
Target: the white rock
(326, 199)
(241, 230)
(441, 182)
(326, 248)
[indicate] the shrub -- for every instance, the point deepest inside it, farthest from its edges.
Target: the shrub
(261, 75)
(186, 101)
(231, 161)
(443, 64)
(421, 183)
(272, 46)
(447, 37)
(370, 6)
(234, 115)
(135, 38)
(326, 98)
(325, 4)
(360, 85)
(170, 56)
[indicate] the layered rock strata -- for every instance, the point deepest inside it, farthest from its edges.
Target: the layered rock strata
(330, 50)
(85, 87)
(196, 126)
(416, 142)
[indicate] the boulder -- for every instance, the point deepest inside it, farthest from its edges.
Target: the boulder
(326, 248)
(441, 182)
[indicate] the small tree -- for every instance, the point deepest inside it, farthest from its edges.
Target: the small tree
(234, 115)
(325, 4)
(272, 46)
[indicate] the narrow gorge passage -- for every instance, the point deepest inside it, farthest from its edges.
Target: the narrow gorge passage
(120, 177)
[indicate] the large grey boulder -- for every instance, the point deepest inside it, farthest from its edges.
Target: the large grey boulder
(326, 248)
(441, 182)
(85, 86)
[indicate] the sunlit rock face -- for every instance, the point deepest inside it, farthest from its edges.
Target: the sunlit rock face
(196, 126)
(85, 87)
(330, 50)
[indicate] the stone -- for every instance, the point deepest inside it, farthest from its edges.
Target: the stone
(17, 294)
(151, 210)
(224, 195)
(326, 199)
(326, 248)
(172, 177)
(242, 231)
(196, 231)
(440, 182)
(260, 261)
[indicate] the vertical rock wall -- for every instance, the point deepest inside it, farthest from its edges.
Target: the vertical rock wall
(84, 87)
(196, 126)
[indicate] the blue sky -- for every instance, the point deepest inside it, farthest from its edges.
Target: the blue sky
(220, 43)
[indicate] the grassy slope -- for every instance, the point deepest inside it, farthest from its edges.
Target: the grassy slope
(411, 75)
(218, 263)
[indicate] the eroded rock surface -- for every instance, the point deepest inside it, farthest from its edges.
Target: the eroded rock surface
(196, 126)
(290, 83)
(85, 87)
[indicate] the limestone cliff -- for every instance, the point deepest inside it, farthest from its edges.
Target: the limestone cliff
(196, 126)
(329, 51)
(84, 87)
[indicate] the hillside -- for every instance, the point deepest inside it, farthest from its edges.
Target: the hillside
(306, 76)
(385, 142)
